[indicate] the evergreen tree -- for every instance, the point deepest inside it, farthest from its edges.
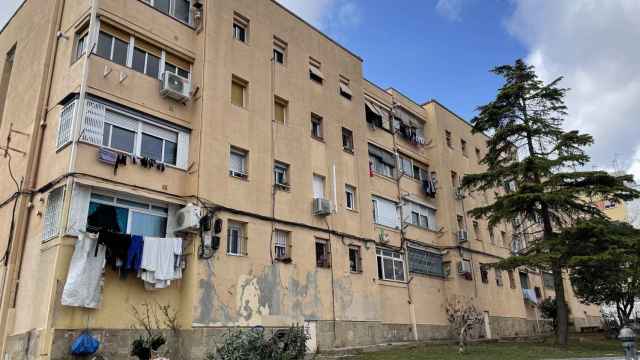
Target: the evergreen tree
(605, 264)
(530, 152)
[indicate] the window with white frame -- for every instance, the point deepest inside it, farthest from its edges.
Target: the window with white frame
(414, 169)
(64, 127)
(281, 174)
(318, 186)
(145, 58)
(240, 28)
(390, 265)
(282, 245)
(279, 51)
(178, 9)
(52, 212)
(81, 44)
(422, 261)
(347, 140)
(146, 63)
(316, 126)
(355, 259)
(385, 212)
(126, 215)
(421, 215)
(128, 134)
(135, 134)
(238, 163)
(350, 197)
(112, 48)
(236, 238)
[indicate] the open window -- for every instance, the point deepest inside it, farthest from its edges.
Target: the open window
(355, 259)
(282, 245)
(126, 215)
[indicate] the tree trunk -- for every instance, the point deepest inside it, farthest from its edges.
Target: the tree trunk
(563, 311)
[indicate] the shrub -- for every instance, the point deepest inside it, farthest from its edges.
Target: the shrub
(252, 344)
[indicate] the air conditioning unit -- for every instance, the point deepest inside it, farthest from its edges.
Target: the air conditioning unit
(321, 206)
(175, 87)
(459, 193)
(188, 218)
(462, 236)
(464, 267)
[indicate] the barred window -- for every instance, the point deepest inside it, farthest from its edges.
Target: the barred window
(425, 262)
(52, 214)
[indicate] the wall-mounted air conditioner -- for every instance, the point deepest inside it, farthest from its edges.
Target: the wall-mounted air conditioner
(321, 206)
(175, 87)
(188, 218)
(462, 236)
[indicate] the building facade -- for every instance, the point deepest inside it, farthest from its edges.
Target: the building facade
(333, 203)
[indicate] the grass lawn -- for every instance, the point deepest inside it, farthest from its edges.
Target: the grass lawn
(587, 346)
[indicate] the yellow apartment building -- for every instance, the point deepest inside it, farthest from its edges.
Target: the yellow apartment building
(297, 191)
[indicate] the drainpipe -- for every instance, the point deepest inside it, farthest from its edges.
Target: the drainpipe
(403, 242)
(12, 271)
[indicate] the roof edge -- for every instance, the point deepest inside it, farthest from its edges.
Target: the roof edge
(13, 16)
(317, 30)
(434, 101)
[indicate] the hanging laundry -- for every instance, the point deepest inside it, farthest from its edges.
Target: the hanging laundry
(83, 287)
(107, 156)
(161, 262)
(117, 248)
(134, 254)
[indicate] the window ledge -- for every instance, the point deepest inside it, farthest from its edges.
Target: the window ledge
(437, 277)
(397, 230)
(244, 108)
(348, 151)
(355, 211)
(245, 179)
(320, 139)
(391, 283)
(384, 177)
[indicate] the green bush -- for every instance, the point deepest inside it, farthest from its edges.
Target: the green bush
(252, 344)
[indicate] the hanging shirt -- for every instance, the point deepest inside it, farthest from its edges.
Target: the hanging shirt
(134, 254)
(161, 261)
(83, 287)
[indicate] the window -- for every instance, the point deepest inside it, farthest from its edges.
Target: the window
(463, 147)
(524, 280)
(238, 92)
(498, 277)
(238, 163)
(279, 51)
(280, 110)
(282, 245)
(376, 116)
(385, 212)
(240, 28)
(381, 161)
(492, 237)
(344, 89)
(316, 126)
(350, 197)
(52, 212)
(323, 253)
(314, 71)
(503, 238)
(146, 63)
(476, 230)
(454, 180)
(178, 9)
(168, 67)
(134, 133)
(547, 280)
(413, 169)
(347, 140)
(112, 48)
(318, 186)
(512, 280)
(421, 216)
(447, 136)
(478, 155)
(390, 265)
(126, 215)
(236, 238)
(484, 273)
(81, 43)
(281, 174)
(460, 222)
(425, 262)
(355, 259)
(6, 79)
(120, 133)
(64, 126)
(538, 292)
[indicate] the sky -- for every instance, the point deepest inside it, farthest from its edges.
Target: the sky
(444, 49)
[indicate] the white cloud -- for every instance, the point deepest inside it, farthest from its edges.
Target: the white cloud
(326, 14)
(451, 9)
(594, 45)
(7, 8)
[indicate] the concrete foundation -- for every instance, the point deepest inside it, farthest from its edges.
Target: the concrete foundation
(196, 343)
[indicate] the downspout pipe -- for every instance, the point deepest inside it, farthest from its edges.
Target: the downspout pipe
(9, 291)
